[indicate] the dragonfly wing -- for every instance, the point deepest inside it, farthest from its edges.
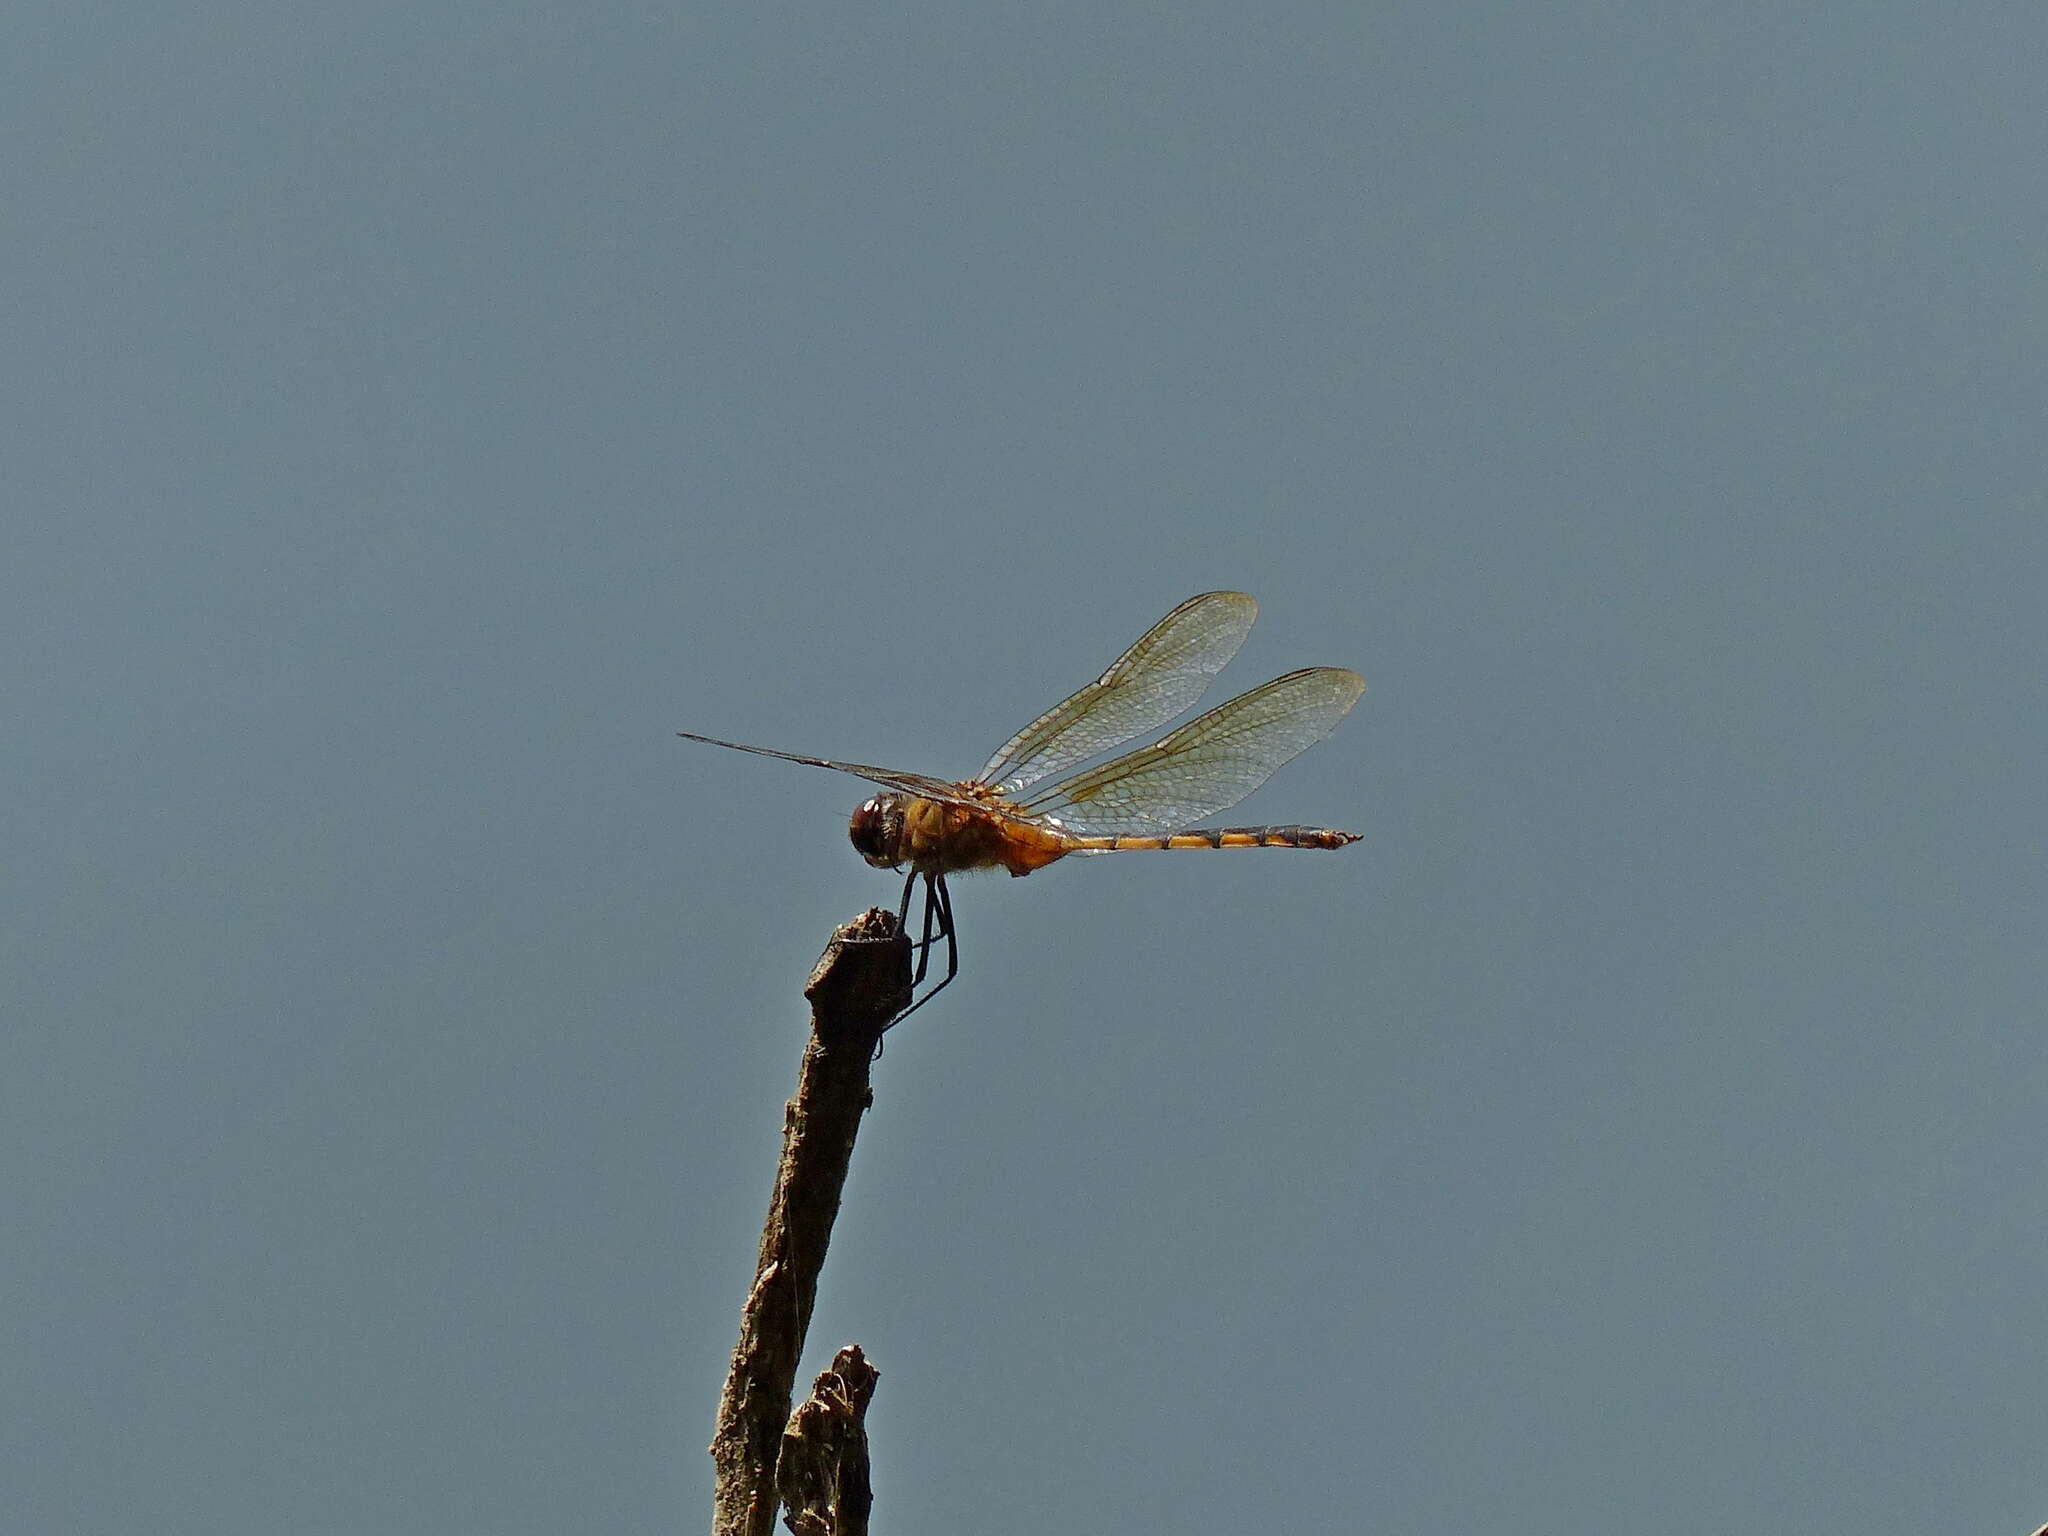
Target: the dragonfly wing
(1159, 677)
(1212, 762)
(889, 778)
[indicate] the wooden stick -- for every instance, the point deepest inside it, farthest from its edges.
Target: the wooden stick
(860, 983)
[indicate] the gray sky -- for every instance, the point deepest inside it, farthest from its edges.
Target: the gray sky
(417, 413)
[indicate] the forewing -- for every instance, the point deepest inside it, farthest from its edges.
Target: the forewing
(889, 778)
(1159, 677)
(1212, 762)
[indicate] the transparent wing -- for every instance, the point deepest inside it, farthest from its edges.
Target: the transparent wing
(1163, 674)
(890, 778)
(1213, 761)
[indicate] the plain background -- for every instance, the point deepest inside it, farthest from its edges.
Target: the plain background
(416, 413)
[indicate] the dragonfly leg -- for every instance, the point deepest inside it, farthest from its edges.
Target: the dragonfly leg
(924, 945)
(937, 898)
(946, 924)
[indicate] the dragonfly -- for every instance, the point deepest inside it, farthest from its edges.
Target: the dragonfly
(1008, 817)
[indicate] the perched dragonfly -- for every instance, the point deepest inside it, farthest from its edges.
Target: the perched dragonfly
(1143, 800)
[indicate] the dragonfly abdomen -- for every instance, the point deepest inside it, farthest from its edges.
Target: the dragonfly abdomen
(1219, 837)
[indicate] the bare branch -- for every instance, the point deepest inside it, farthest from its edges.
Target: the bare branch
(860, 983)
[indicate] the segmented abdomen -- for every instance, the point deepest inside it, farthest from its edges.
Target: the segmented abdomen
(1220, 837)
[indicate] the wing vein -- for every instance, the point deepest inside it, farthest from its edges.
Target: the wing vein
(1209, 764)
(1163, 673)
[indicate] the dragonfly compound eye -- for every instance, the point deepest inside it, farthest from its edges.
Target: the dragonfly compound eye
(877, 830)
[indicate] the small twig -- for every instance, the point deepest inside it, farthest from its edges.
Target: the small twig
(860, 983)
(823, 1473)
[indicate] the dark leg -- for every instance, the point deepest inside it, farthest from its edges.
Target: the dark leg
(924, 945)
(936, 897)
(946, 925)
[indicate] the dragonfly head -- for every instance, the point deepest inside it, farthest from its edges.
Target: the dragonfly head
(877, 831)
